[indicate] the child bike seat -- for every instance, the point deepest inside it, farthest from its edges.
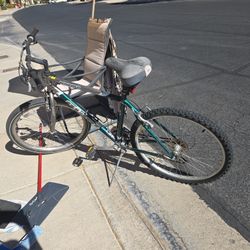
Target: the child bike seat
(131, 71)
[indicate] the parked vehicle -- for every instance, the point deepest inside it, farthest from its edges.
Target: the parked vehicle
(57, 1)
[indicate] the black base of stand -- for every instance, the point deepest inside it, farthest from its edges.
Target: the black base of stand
(40, 206)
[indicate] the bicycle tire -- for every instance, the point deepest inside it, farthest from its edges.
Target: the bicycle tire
(195, 139)
(23, 127)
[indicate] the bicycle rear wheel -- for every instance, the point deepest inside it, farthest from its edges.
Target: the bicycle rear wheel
(201, 151)
(23, 127)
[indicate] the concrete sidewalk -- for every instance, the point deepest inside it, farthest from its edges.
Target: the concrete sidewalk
(132, 213)
(80, 221)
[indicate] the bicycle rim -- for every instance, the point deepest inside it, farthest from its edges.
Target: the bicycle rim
(70, 128)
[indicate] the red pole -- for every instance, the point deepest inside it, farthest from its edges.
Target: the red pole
(39, 176)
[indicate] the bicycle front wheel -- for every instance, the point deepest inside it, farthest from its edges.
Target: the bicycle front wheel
(24, 122)
(201, 151)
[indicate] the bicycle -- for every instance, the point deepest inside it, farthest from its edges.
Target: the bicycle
(180, 145)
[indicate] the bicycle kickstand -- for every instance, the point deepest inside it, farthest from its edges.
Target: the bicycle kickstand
(117, 165)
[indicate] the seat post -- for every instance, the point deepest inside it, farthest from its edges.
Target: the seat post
(125, 92)
(120, 121)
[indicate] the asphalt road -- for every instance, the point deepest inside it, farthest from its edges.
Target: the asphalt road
(200, 52)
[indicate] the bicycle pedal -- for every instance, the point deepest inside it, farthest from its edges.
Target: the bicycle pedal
(77, 162)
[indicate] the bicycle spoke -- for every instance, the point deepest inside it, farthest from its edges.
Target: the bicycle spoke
(193, 167)
(198, 161)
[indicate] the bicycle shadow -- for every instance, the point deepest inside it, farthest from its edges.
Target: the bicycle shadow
(128, 162)
(16, 85)
(10, 147)
(131, 163)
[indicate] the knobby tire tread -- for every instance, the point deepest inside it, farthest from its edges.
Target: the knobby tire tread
(196, 118)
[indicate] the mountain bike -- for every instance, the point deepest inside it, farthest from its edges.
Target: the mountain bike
(179, 145)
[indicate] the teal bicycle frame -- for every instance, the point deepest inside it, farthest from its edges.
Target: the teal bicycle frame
(105, 130)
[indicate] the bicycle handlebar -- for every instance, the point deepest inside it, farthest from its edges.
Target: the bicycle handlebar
(28, 70)
(31, 38)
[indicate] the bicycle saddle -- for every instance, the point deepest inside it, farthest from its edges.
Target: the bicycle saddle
(131, 71)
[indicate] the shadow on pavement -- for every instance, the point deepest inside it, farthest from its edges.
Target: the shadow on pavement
(10, 147)
(16, 85)
(129, 162)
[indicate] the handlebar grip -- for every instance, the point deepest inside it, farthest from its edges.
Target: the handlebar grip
(34, 32)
